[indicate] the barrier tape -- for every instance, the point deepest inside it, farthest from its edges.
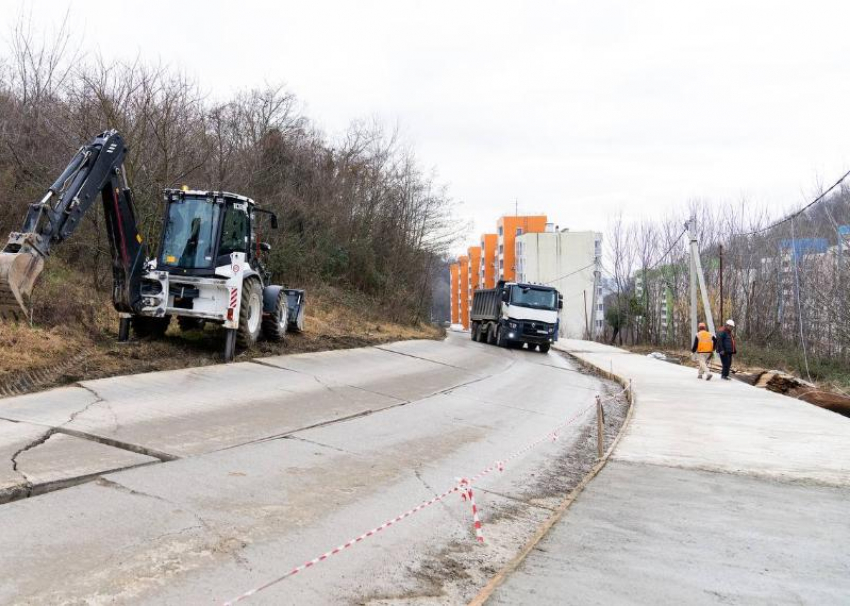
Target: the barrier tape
(464, 487)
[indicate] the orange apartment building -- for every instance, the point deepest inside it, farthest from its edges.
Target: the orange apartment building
(474, 253)
(454, 268)
(487, 270)
(509, 227)
(484, 265)
(463, 289)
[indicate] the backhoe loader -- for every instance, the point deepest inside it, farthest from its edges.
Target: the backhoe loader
(209, 267)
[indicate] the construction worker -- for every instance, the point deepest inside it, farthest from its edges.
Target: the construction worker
(703, 348)
(726, 348)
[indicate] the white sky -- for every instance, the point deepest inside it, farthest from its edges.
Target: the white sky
(576, 109)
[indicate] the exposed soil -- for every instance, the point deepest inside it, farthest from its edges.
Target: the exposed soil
(456, 573)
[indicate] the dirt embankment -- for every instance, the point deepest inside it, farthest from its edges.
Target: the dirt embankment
(72, 341)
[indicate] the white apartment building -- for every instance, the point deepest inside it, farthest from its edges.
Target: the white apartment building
(566, 260)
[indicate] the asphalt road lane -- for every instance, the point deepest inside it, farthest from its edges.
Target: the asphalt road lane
(281, 469)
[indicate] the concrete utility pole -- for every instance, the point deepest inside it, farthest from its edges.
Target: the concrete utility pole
(697, 277)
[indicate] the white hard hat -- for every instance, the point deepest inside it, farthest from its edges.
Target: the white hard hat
(730, 323)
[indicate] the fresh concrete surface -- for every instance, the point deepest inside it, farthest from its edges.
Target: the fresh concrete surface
(718, 493)
(211, 525)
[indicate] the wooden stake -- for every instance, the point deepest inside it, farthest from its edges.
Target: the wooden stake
(600, 436)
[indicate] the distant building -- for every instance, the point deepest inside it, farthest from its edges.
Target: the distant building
(509, 227)
(473, 272)
(454, 271)
(463, 290)
(489, 260)
(566, 260)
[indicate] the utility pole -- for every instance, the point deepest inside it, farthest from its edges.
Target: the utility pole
(693, 274)
(697, 277)
(722, 315)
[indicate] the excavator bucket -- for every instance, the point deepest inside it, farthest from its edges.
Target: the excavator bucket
(18, 273)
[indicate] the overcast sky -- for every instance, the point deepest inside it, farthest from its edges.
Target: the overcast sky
(575, 109)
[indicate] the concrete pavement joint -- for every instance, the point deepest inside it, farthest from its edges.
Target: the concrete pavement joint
(400, 353)
(328, 387)
(328, 446)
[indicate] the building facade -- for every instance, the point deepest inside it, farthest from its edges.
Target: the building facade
(474, 273)
(567, 261)
(489, 260)
(463, 290)
(454, 271)
(509, 228)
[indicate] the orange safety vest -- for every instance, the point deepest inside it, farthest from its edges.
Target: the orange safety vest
(704, 342)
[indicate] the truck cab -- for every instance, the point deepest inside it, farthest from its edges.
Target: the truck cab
(513, 314)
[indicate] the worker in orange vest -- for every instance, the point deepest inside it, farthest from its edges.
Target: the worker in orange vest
(703, 348)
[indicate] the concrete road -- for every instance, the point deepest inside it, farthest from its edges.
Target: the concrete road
(237, 473)
(718, 493)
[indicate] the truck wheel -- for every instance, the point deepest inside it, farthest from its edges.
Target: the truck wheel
(250, 314)
(544, 347)
(532, 346)
(491, 335)
(501, 341)
(274, 324)
(187, 323)
(146, 326)
(473, 331)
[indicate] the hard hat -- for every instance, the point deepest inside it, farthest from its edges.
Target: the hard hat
(730, 323)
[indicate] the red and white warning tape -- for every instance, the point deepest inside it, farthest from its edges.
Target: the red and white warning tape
(464, 487)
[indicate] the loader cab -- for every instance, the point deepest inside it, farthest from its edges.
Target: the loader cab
(202, 229)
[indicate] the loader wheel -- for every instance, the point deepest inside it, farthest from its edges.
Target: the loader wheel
(186, 323)
(146, 326)
(274, 324)
(250, 314)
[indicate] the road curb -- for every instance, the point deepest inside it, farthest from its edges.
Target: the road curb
(487, 591)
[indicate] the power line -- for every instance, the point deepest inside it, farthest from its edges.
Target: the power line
(799, 212)
(572, 273)
(669, 250)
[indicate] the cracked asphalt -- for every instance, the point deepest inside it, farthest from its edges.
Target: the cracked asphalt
(194, 486)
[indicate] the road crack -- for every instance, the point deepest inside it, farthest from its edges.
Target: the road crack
(224, 544)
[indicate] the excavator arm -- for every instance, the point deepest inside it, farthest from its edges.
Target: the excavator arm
(97, 168)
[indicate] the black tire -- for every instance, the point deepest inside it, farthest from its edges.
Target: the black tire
(501, 341)
(544, 347)
(473, 331)
(491, 335)
(186, 323)
(250, 314)
(275, 323)
(532, 346)
(146, 326)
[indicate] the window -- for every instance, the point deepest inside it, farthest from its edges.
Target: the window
(189, 240)
(519, 231)
(501, 264)
(501, 249)
(501, 231)
(599, 307)
(234, 232)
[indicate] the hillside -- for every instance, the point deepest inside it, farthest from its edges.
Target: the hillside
(73, 337)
